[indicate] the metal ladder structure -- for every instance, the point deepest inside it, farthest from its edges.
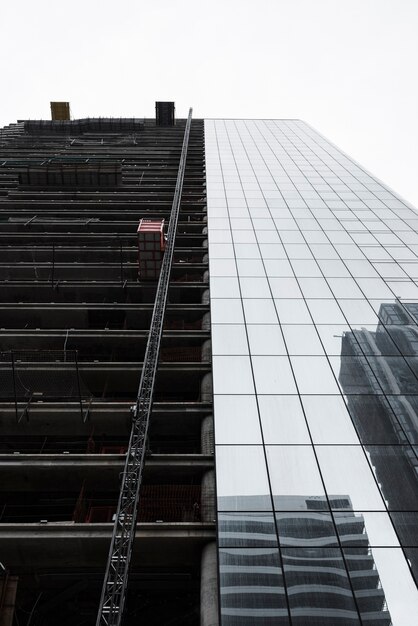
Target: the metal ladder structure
(117, 570)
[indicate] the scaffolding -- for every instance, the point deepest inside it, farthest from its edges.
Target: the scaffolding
(117, 570)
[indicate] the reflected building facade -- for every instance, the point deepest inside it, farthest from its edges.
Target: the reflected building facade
(386, 416)
(314, 301)
(323, 583)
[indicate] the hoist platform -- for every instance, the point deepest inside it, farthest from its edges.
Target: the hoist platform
(151, 246)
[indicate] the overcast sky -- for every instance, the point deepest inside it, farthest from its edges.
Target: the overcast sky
(348, 67)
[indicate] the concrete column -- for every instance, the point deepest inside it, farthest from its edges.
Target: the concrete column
(207, 497)
(209, 586)
(206, 321)
(207, 443)
(8, 589)
(205, 297)
(206, 388)
(207, 351)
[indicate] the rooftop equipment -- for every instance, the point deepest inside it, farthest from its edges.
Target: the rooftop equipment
(164, 113)
(151, 246)
(60, 110)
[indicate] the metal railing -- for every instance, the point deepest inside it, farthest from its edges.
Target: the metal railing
(44, 375)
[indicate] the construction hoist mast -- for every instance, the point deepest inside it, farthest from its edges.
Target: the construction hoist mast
(116, 577)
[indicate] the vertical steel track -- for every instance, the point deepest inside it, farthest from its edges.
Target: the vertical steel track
(117, 570)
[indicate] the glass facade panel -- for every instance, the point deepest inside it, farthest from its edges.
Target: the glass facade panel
(365, 529)
(314, 375)
(396, 469)
(345, 471)
(302, 339)
(318, 408)
(247, 530)
(265, 339)
(229, 339)
(232, 374)
(294, 476)
(259, 311)
(328, 419)
(302, 529)
(242, 483)
(251, 587)
(273, 373)
(391, 591)
(318, 585)
(282, 420)
(236, 420)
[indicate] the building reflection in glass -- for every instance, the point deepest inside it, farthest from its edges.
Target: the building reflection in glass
(387, 419)
(323, 573)
(252, 588)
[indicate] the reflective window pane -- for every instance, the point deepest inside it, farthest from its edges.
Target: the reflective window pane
(326, 312)
(374, 419)
(338, 339)
(226, 311)
(328, 419)
(236, 420)
(390, 590)
(232, 374)
(396, 469)
(246, 529)
(273, 375)
(306, 529)
(254, 287)
(302, 339)
(259, 312)
(294, 477)
(367, 529)
(348, 479)
(282, 420)
(251, 587)
(224, 287)
(314, 375)
(318, 585)
(229, 339)
(266, 339)
(241, 479)
(406, 411)
(292, 311)
(393, 374)
(354, 375)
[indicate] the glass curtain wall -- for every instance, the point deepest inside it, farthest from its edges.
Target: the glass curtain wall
(314, 305)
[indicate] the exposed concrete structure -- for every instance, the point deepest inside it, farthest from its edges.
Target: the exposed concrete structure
(209, 587)
(208, 511)
(8, 588)
(75, 321)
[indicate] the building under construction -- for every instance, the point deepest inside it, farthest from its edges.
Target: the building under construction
(75, 317)
(120, 367)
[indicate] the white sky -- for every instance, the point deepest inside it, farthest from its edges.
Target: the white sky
(348, 67)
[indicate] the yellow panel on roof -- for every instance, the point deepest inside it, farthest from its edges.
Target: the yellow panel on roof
(60, 110)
